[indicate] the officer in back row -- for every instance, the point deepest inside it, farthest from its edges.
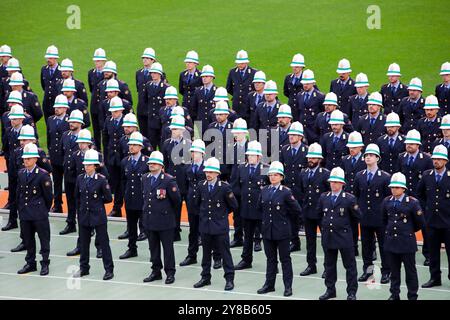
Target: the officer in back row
(434, 189)
(239, 84)
(265, 115)
(5, 56)
(336, 210)
(67, 70)
(402, 217)
(50, 76)
(216, 201)
(189, 80)
(278, 208)
(394, 91)
(358, 101)
(429, 125)
(292, 82)
(371, 126)
(445, 132)
(410, 108)
(442, 90)
(34, 199)
(343, 86)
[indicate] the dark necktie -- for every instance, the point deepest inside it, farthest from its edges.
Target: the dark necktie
(335, 141)
(210, 188)
(391, 143)
(272, 191)
(353, 161)
(393, 89)
(327, 117)
(222, 128)
(306, 98)
(88, 181)
(333, 198)
(396, 203)
(28, 175)
(269, 110)
(73, 138)
(310, 175)
(116, 122)
(145, 72)
(242, 74)
(206, 92)
(372, 121)
(438, 178)
(294, 152)
(189, 78)
(258, 99)
(447, 144)
(369, 177)
(410, 161)
(342, 85)
(58, 121)
(152, 180)
(252, 171)
(51, 73)
(194, 168)
(133, 162)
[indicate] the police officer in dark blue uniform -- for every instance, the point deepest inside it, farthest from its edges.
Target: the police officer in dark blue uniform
(336, 209)
(394, 91)
(402, 216)
(434, 189)
(113, 92)
(284, 121)
(358, 101)
(26, 98)
(247, 180)
(313, 182)
(334, 144)
(255, 97)
(50, 75)
(239, 84)
(442, 90)
(189, 80)
(370, 188)
(34, 199)
(265, 115)
(371, 126)
(429, 126)
(276, 203)
(410, 108)
(203, 98)
(92, 191)
(391, 144)
(292, 82)
(343, 86)
(74, 102)
(161, 198)
(216, 200)
(67, 70)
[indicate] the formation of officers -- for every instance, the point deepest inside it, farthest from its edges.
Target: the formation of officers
(351, 164)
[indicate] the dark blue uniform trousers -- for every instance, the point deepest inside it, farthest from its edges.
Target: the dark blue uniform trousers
(103, 239)
(29, 229)
(222, 243)
(271, 248)
(349, 262)
(155, 240)
(412, 282)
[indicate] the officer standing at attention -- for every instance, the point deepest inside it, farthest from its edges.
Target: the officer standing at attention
(202, 100)
(371, 125)
(57, 124)
(50, 75)
(265, 115)
(402, 216)
(34, 199)
(240, 83)
(428, 126)
(189, 80)
(352, 164)
(5, 56)
(68, 146)
(92, 192)
(256, 96)
(314, 182)
(95, 77)
(67, 70)
(216, 201)
(358, 101)
(370, 188)
(68, 89)
(336, 209)
(276, 203)
(292, 82)
(442, 90)
(161, 198)
(334, 144)
(247, 180)
(344, 86)
(434, 189)
(391, 144)
(293, 157)
(133, 168)
(410, 108)
(284, 121)
(413, 163)
(394, 91)
(445, 132)
(309, 104)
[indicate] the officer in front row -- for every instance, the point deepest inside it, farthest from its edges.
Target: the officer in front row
(337, 209)
(434, 189)
(161, 200)
(216, 201)
(34, 199)
(92, 191)
(402, 216)
(133, 168)
(277, 204)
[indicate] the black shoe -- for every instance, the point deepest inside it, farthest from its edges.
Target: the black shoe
(10, 226)
(27, 268)
(328, 295)
(142, 236)
(81, 273)
(70, 228)
(108, 275)
(124, 235)
(257, 246)
(374, 255)
(265, 289)
(203, 282)
(99, 254)
(394, 297)
(229, 285)
(170, 279)
(364, 277)
(153, 277)
(44, 269)
(217, 264)
(129, 254)
(324, 275)
(287, 292)
(385, 278)
(242, 265)
(56, 210)
(74, 252)
(294, 247)
(20, 247)
(7, 205)
(236, 243)
(115, 213)
(432, 283)
(426, 263)
(308, 271)
(351, 296)
(176, 237)
(188, 261)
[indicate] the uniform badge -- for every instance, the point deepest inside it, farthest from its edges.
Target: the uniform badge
(218, 205)
(355, 207)
(419, 213)
(278, 207)
(34, 191)
(377, 194)
(405, 220)
(174, 189)
(326, 209)
(448, 195)
(107, 186)
(95, 195)
(47, 183)
(44, 160)
(230, 195)
(420, 176)
(317, 190)
(85, 111)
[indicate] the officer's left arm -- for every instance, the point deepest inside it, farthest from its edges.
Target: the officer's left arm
(106, 190)
(126, 93)
(81, 92)
(417, 216)
(180, 84)
(230, 199)
(44, 161)
(174, 193)
(47, 190)
(348, 127)
(293, 206)
(355, 212)
(36, 109)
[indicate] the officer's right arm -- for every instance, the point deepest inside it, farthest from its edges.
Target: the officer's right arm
(286, 87)
(180, 84)
(174, 193)
(230, 83)
(106, 189)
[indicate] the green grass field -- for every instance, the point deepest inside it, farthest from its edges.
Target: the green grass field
(414, 34)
